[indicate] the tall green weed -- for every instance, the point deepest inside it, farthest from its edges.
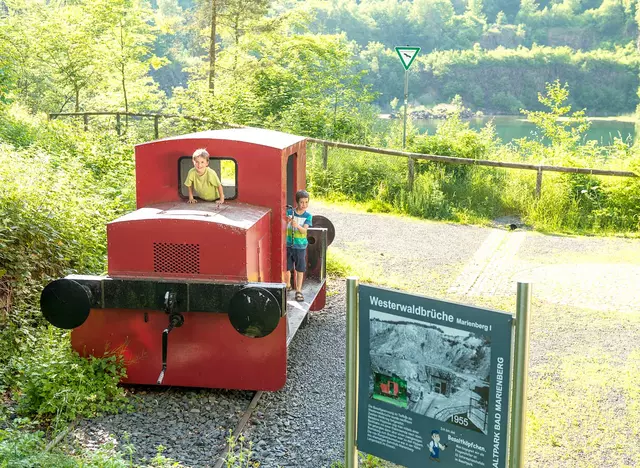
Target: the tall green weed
(56, 385)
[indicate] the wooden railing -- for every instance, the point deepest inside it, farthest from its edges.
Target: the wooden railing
(156, 119)
(326, 144)
(539, 168)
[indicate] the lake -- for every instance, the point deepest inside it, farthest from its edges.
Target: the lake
(512, 127)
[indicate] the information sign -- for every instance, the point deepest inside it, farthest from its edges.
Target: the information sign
(433, 381)
(407, 55)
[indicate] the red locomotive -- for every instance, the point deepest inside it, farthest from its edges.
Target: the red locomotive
(194, 293)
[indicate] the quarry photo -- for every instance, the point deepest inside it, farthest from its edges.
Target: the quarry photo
(430, 369)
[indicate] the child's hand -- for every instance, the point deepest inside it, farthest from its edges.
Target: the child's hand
(219, 202)
(294, 223)
(192, 200)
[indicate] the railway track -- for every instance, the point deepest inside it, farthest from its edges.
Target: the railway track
(192, 424)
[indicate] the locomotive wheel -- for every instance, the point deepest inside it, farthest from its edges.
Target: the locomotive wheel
(65, 303)
(254, 312)
(322, 222)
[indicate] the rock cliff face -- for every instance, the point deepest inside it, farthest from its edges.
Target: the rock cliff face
(414, 351)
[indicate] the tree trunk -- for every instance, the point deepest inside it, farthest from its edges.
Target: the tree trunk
(212, 46)
(76, 88)
(124, 81)
(236, 37)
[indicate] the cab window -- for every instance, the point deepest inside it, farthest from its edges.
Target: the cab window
(226, 168)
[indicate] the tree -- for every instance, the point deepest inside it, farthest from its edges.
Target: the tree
(508, 7)
(18, 43)
(476, 8)
(236, 14)
(563, 129)
(127, 47)
(66, 43)
(527, 8)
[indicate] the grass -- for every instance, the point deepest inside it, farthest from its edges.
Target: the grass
(584, 397)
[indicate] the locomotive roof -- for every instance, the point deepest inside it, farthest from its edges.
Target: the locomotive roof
(239, 215)
(251, 135)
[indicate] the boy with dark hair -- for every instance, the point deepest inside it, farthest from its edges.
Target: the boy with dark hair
(299, 219)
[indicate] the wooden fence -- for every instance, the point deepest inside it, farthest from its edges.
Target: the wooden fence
(156, 119)
(539, 168)
(411, 157)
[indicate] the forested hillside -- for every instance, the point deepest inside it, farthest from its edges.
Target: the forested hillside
(589, 44)
(159, 55)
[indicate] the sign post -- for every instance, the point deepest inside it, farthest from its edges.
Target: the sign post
(407, 56)
(351, 453)
(433, 380)
(520, 366)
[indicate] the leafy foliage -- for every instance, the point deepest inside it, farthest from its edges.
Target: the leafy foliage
(91, 54)
(53, 183)
(465, 193)
(22, 445)
(57, 384)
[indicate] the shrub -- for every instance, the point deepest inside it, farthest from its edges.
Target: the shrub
(59, 385)
(58, 191)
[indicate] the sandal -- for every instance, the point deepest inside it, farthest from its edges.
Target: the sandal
(288, 287)
(299, 296)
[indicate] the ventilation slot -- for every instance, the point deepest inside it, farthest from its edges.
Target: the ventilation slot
(176, 258)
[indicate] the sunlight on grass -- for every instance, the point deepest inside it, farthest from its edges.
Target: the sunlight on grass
(340, 265)
(584, 410)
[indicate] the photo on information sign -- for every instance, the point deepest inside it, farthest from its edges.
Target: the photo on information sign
(432, 370)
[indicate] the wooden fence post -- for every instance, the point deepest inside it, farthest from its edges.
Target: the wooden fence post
(539, 183)
(325, 156)
(411, 172)
(118, 127)
(155, 125)
(85, 117)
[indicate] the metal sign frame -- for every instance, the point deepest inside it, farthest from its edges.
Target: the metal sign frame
(412, 360)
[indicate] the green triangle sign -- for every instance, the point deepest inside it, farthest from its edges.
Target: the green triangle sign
(407, 55)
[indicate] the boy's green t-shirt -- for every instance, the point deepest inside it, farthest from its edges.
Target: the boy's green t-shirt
(206, 185)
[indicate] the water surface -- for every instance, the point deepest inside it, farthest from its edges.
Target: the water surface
(511, 127)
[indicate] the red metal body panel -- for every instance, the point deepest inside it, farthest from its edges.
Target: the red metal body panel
(205, 352)
(204, 241)
(321, 299)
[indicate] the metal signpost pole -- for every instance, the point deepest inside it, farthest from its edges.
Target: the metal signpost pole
(520, 367)
(351, 452)
(407, 56)
(406, 100)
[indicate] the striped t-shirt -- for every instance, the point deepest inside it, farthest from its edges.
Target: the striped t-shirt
(295, 238)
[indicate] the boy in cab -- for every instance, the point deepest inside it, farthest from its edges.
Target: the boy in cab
(203, 179)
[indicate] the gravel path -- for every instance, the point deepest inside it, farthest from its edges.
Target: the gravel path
(302, 425)
(191, 424)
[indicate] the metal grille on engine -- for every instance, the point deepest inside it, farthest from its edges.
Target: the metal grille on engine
(176, 258)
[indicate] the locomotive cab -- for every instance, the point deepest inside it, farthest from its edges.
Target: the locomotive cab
(194, 293)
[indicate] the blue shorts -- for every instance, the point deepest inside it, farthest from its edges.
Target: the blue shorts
(297, 258)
